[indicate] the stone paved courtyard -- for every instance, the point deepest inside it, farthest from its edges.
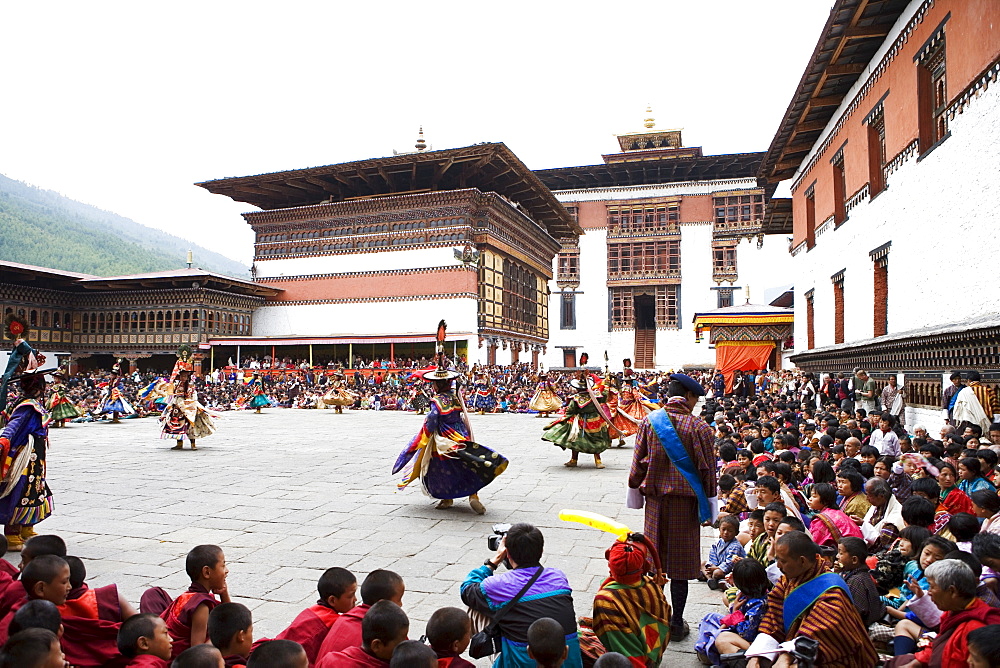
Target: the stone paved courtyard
(289, 493)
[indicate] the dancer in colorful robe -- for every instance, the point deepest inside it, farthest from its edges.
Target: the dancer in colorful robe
(419, 399)
(114, 402)
(338, 395)
(60, 407)
(484, 396)
(443, 455)
(25, 498)
(585, 426)
(184, 416)
(546, 400)
(633, 403)
(260, 399)
(622, 424)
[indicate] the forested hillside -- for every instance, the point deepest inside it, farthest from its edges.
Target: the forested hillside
(43, 228)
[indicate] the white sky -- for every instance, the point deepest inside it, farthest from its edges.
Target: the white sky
(125, 105)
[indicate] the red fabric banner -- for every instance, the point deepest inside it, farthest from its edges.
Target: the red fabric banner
(733, 356)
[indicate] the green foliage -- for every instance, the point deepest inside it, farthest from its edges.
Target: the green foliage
(43, 228)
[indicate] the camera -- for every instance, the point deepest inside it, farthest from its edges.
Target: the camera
(499, 531)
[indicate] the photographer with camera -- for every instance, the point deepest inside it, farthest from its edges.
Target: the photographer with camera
(517, 597)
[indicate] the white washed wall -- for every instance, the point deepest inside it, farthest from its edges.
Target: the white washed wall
(939, 215)
(415, 258)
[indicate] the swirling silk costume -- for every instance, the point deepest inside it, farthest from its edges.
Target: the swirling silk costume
(545, 400)
(115, 401)
(185, 417)
(338, 395)
(448, 464)
(582, 429)
(260, 398)
(25, 498)
(60, 407)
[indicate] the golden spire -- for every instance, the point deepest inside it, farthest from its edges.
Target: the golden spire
(650, 121)
(421, 145)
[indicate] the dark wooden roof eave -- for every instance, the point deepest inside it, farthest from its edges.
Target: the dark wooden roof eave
(851, 37)
(652, 172)
(490, 167)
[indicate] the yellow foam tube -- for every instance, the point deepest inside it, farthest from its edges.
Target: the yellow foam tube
(597, 521)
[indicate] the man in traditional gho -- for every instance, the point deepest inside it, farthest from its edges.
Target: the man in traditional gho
(338, 395)
(546, 400)
(184, 416)
(60, 407)
(585, 428)
(673, 467)
(810, 601)
(967, 409)
(25, 498)
(114, 401)
(443, 455)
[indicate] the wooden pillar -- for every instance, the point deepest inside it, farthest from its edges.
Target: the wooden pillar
(534, 358)
(392, 352)
(310, 355)
(196, 360)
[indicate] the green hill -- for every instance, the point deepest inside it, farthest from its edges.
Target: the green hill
(43, 228)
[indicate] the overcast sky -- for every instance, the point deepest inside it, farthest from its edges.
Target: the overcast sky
(125, 105)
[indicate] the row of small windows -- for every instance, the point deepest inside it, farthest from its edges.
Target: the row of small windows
(362, 229)
(44, 318)
(373, 243)
(165, 321)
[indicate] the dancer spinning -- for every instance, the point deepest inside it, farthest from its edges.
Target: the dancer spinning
(419, 399)
(257, 390)
(443, 455)
(621, 420)
(114, 401)
(25, 498)
(60, 407)
(485, 399)
(184, 416)
(546, 400)
(585, 427)
(338, 395)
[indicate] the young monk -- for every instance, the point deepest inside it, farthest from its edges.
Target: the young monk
(37, 614)
(33, 648)
(35, 546)
(380, 585)
(230, 628)
(187, 616)
(384, 626)
(337, 595)
(278, 654)
(86, 641)
(143, 639)
(199, 656)
(102, 603)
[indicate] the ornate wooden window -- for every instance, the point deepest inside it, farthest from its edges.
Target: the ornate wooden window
(876, 150)
(932, 91)
(839, 188)
(735, 211)
(724, 260)
(568, 264)
(567, 310)
(520, 297)
(644, 258)
(647, 218)
(810, 217)
(810, 319)
(838, 306)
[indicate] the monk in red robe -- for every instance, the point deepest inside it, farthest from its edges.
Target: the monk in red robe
(144, 641)
(187, 615)
(384, 626)
(379, 585)
(337, 595)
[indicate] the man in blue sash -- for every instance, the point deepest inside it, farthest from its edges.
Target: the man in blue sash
(673, 467)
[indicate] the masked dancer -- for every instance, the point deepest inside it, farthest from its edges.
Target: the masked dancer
(184, 416)
(448, 463)
(585, 428)
(546, 400)
(60, 407)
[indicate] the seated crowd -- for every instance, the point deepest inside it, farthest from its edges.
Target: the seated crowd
(881, 545)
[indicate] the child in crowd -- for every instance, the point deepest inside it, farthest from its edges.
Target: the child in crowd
(726, 634)
(888, 568)
(755, 527)
(547, 643)
(32, 648)
(984, 647)
(612, 660)
(721, 556)
(851, 555)
(278, 654)
(380, 585)
(102, 603)
(761, 548)
(933, 550)
(187, 615)
(144, 640)
(37, 614)
(337, 596)
(8, 571)
(449, 631)
(384, 626)
(45, 578)
(35, 546)
(413, 654)
(230, 629)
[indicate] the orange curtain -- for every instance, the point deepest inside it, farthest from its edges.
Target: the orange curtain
(733, 356)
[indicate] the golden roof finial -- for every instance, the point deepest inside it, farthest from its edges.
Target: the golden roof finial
(421, 145)
(650, 121)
